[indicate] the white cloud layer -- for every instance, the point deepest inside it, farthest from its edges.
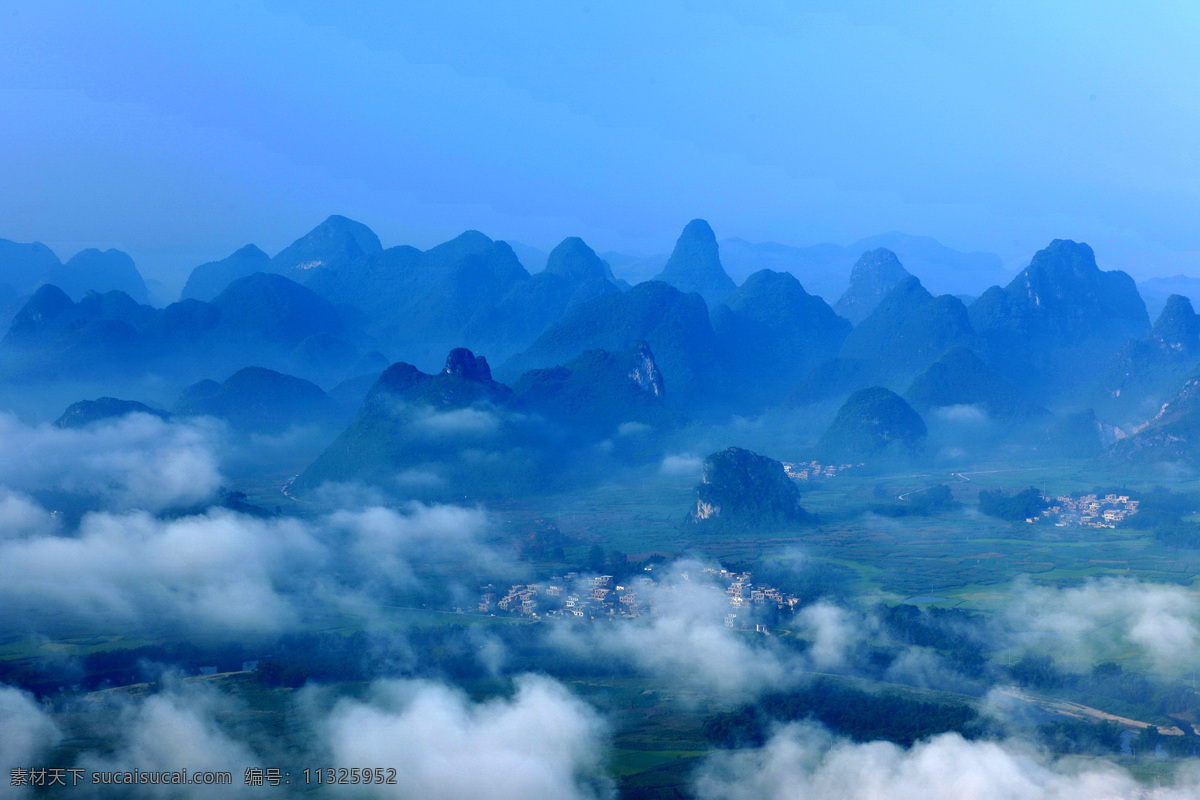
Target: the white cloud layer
(137, 461)
(1107, 618)
(801, 762)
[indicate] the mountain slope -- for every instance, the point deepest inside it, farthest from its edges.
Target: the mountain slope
(772, 333)
(1060, 320)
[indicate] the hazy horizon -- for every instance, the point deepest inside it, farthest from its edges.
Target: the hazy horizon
(180, 134)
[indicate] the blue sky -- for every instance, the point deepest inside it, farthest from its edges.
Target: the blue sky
(180, 131)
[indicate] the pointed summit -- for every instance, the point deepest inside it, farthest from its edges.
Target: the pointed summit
(575, 261)
(333, 244)
(875, 274)
(99, 271)
(208, 280)
(695, 265)
(1177, 327)
(465, 364)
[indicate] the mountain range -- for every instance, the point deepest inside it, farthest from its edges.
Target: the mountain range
(325, 317)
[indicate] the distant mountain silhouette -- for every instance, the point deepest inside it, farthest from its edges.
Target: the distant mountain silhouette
(598, 391)
(1146, 372)
(208, 280)
(265, 318)
(574, 274)
(1171, 436)
(825, 269)
(674, 324)
(424, 433)
(741, 489)
(907, 331)
(1155, 291)
(874, 275)
(337, 243)
(960, 378)
(419, 302)
(24, 266)
(772, 333)
(258, 399)
(99, 271)
(695, 265)
(276, 309)
(87, 412)
(1060, 320)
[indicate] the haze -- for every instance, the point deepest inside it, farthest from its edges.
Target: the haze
(179, 132)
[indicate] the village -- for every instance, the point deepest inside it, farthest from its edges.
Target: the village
(590, 597)
(814, 470)
(1089, 511)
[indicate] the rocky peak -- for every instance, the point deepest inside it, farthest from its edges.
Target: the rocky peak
(1178, 327)
(575, 261)
(873, 276)
(645, 372)
(465, 364)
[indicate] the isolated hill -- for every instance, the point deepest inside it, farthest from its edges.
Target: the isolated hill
(674, 324)
(599, 391)
(24, 266)
(87, 412)
(260, 400)
(1146, 372)
(336, 244)
(574, 274)
(1060, 320)
(99, 271)
(741, 489)
(208, 280)
(959, 378)
(873, 422)
(695, 265)
(772, 333)
(873, 276)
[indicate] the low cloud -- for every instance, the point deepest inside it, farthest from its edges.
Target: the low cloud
(541, 742)
(232, 572)
(684, 639)
(1106, 618)
(803, 761)
(137, 461)
(27, 733)
(171, 731)
(682, 465)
